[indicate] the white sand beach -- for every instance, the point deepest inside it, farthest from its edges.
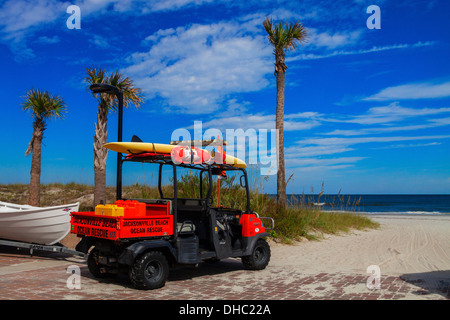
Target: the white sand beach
(414, 248)
(403, 244)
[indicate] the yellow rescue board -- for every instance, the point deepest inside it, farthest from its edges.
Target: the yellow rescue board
(233, 161)
(140, 147)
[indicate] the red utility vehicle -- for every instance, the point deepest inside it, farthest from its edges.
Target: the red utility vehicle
(144, 237)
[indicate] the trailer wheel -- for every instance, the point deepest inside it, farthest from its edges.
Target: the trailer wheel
(259, 258)
(149, 271)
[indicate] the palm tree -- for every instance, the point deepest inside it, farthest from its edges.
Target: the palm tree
(282, 38)
(107, 102)
(43, 106)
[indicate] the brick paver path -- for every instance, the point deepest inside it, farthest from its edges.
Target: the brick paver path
(44, 276)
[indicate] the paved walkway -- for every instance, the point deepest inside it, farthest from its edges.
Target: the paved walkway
(45, 276)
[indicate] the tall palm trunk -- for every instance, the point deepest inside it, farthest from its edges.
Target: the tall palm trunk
(100, 154)
(282, 37)
(280, 70)
(35, 172)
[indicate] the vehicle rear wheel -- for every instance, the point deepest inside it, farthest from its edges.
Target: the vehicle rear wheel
(149, 271)
(260, 256)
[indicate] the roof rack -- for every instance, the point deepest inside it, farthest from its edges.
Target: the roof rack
(203, 143)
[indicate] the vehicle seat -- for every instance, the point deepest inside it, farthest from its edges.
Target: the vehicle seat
(186, 227)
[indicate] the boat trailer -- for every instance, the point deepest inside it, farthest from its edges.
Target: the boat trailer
(59, 248)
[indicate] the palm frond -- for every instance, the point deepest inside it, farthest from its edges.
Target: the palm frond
(98, 75)
(94, 75)
(131, 94)
(285, 36)
(44, 105)
(57, 108)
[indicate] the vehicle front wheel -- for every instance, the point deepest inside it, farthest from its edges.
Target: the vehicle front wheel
(260, 256)
(149, 271)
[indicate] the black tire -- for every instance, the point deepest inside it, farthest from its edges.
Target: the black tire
(149, 271)
(93, 266)
(212, 260)
(260, 257)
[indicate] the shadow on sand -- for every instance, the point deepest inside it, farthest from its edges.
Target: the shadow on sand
(435, 282)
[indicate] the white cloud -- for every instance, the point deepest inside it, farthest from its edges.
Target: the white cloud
(330, 40)
(308, 153)
(317, 152)
(384, 115)
(410, 145)
(441, 121)
(197, 67)
(335, 141)
(358, 132)
(169, 5)
(300, 115)
(136, 6)
(425, 90)
(48, 40)
(160, 33)
(258, 121)
(397, 110)
(19, 15)
(99, 41)
(305, 162)
(314, 151)
(314, 56)
(21, 19)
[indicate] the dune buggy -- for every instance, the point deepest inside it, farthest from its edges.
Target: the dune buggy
(145, 237)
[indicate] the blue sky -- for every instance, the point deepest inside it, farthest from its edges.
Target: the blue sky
(366, 110)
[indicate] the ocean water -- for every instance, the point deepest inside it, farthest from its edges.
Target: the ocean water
(379, 203)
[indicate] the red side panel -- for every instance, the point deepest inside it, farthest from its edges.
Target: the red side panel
(251, 225)
(140, 220)
(146, 227)
(91, 225)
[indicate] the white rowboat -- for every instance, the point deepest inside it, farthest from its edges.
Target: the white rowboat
(41, 225)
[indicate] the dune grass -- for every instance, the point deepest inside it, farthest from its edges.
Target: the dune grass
(297, 221)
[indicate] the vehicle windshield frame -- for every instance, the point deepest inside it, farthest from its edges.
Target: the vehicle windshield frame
(208, 168)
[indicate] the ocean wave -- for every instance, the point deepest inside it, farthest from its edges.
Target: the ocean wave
(393, 212)
(407, 213)
(424, 212)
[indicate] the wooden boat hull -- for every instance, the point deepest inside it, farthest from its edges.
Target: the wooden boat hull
(40, 225)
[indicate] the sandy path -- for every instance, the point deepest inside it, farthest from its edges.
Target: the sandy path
(402, 245)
